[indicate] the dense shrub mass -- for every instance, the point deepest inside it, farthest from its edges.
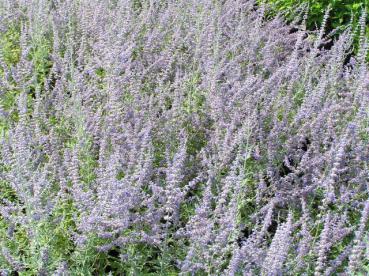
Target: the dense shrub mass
(191, 137)
(342, 12)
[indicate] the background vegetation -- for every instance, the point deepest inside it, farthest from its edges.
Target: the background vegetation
(341, 11)
(341, 14)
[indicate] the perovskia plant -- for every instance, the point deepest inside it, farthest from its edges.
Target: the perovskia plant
(179, 137)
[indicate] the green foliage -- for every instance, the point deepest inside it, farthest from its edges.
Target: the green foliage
(10, 51)
(195, 98)
(340, 14)
(40, 55)
(50, 236)
(9, 45)
(10, 54)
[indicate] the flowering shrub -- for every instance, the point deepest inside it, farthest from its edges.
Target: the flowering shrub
(179, 137)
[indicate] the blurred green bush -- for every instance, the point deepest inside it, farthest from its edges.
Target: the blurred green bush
(340, 14)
